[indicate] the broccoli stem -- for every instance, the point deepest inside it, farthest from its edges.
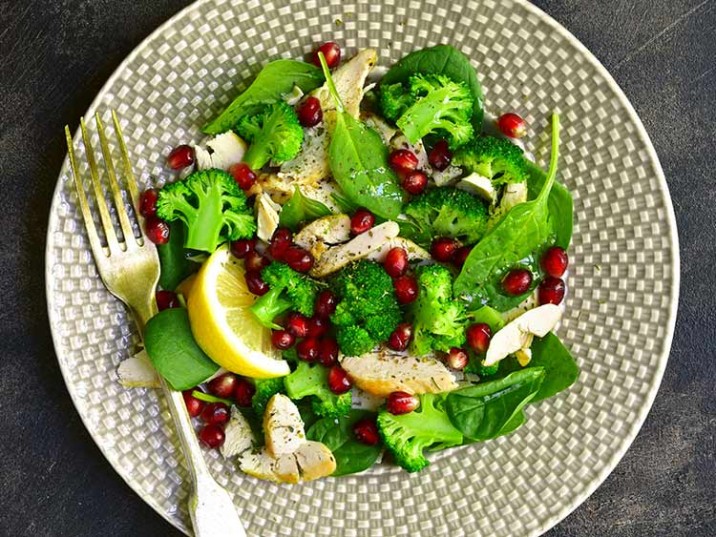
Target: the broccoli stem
(270, 306)
(203, 234)
(554, 157)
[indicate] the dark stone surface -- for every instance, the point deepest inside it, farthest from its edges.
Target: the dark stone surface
(54, 57)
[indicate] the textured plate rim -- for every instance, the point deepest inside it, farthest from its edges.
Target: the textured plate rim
(627, 439)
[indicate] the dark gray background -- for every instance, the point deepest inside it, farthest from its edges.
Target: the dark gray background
(54, 57)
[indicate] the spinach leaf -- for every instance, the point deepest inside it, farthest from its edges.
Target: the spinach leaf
(175, 266)
(560, 204)
(440, 60)
(489, 316)
(300, 209)
(488, 410)
(273, 81)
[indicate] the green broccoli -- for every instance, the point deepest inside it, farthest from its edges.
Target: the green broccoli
(431, 104)
(498, 159)
(212, 207)
(438, 319)
(447, 212)
(288, 289)
(274, 134)
(406, 436)
(265, 390)
(368, 311)
(311, 380)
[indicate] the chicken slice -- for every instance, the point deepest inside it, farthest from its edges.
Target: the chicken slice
(314, 460)
(415, 252)
(267, 216)
(238, 435)
(330, 230)
(283, 426)
(221, 151)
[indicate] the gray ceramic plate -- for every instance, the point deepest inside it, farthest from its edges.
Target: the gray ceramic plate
(623, 284)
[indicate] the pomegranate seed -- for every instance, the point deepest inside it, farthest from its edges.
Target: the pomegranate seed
(193, 405)
(243, 247)
(309, 112)
(440, 155)
(157, 230)
(243, 392)
(244, 176)
(551, 291)
(401, 336)
(180, 157)
(406, 289)
(414, 182)
(280, 242)
(325, 304)
(212, 436)
(297, 324)
(403, 161)
(255, 283)
(366, 432)
(223, 385)
(215, 414)
(512, 125)
(167, 300)
(457, 358)
(298, 259)
(307, 349)
(317, 327)
(331, 51)
(328, 352)
(338, 380)
(401, 403)
(461, 255)
(478, 337)
(517, 281)
(396, 262)
(444, 248)
(555, 261)
(282, 339)
(255, 262)
(148, 202)
(361, 221)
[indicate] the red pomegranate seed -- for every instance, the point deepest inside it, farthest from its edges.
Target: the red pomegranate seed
(317, 327)
(243, 392)
(157, 230)
(309, 112)
(328, 352)
(193, 405)
(255, 262)
(331, 51)
(551, 291)
(307, 349)
(325, 304)
(361, 221)
(167, 300)
(280, 242)
(401, 336)
(517, 281)
(366, 432)
(148, 202)
(512, 125)
(396, 262)
(440, 155)
(461, 255)
(243, 247)
(555, 261)
(297, 324)
(338, 380)
(403, 161)
(444, 248)
(255, 283)
(457, 358)
(406, 289)
(478, 337)
(414, 182)
(223, 385)
(244, 176)
(212, 436)
(282, 339)
(181, 157)
(215, 414)
(401, 403)
(298, 259)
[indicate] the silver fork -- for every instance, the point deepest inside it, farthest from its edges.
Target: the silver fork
(130, 271)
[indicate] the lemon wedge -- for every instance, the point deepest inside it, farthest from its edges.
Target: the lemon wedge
(222, 323)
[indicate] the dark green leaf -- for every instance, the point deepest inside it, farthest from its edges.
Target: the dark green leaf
(175, 266)
(560, 204)
(300, 209)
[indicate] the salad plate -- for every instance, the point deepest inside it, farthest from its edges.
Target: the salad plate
(623, 281)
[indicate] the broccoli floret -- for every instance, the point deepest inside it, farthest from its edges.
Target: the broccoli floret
(475, 367)
(406, 436)
(394, 100)
(288, 289)
(212, 207)
(311, 380)
(498, 159)
(265, 390)
(274, 134)
(368, 311)
(447, 212)
(438, 318)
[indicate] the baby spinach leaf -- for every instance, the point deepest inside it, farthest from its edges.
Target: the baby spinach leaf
(273, 81)
(175, 266)
(559, 203)
(300, 209)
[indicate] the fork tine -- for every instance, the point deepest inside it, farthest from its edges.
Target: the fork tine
(125, 224)
(84, 206)
(128, 174)
(99, 194)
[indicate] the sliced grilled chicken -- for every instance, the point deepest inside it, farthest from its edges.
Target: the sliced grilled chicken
(314, 460)
(286, 469)
(238, 433)
(220, 152)
(267, 216)
(259, 464)
(415, 252)
(283, 426)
